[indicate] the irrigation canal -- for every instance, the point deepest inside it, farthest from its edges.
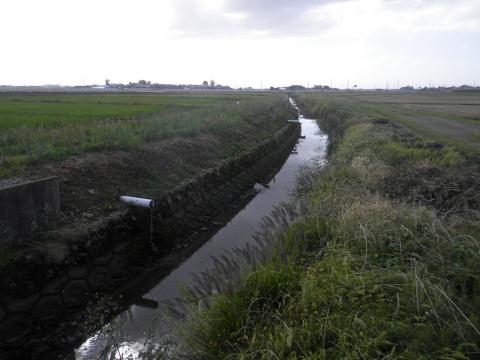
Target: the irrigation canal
(134, 325)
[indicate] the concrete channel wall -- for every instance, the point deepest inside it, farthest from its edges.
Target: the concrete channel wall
(49, 286)
(28, 208)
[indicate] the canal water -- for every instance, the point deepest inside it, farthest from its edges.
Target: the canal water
(136, 324)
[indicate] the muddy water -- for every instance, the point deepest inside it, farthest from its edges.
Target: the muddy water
(132, 327)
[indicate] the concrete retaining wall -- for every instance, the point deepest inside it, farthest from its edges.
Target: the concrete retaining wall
(48, 286)
(27, 208)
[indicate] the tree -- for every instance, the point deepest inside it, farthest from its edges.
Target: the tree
(212, 83)
(205, 83)
(107, 82)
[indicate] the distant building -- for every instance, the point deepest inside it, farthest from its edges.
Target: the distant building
(296, 87)
(321, 87)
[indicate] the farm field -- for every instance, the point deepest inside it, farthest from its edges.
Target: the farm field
(41, 127)
(49, 110)
(447, 118)
(384, 262)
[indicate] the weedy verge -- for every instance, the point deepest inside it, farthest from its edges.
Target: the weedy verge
(383, 264)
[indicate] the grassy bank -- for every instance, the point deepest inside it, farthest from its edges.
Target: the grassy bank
(123, 148)
(384, 265)
(37, 128)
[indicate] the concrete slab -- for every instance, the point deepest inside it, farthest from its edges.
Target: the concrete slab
(26, 208)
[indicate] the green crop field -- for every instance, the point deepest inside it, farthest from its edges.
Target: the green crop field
(61, 109)
(41, 127)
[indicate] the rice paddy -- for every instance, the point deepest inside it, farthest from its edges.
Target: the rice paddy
(42, 127)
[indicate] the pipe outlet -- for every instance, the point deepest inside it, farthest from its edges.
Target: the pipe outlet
(137, 202)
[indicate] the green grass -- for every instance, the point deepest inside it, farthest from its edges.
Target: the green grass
(60, 109)
(51, 127)
(447, 118)
(385, 264)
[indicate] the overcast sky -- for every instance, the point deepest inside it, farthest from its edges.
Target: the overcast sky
(241, 42)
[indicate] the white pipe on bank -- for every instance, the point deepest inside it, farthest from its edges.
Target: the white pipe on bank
(138, 202)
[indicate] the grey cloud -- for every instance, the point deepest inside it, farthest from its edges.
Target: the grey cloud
(281, 17)
(272, 17)
(268, 6)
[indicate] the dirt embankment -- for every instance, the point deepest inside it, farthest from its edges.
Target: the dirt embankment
(91, 183)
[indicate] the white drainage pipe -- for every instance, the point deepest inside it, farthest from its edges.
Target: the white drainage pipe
(138, 202)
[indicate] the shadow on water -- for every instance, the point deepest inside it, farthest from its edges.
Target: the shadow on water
(135, 324)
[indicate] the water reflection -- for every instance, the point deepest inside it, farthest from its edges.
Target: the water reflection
(137, 323)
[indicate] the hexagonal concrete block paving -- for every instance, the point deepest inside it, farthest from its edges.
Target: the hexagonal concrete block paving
(75, 293)
(48, 309)
(119, 266)
(21, 306)
(78, 272)
(56, 286)
(121, 248)
(104, 259)
(14, 329)
(139, 253)
(38, 349)
(100, 279)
